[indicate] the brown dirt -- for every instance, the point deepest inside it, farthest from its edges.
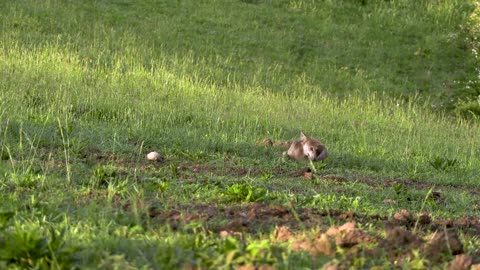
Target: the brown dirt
(254, 217)
(461, 262)
(441, 242)
(350, 236)
(283, 233)
(258, 217)
(397, 245)
(397, 236)
(403, 231)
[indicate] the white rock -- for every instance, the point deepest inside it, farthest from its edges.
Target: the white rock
(153, 156)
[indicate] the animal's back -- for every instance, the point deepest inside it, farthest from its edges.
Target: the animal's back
(295, 150)
(306, 148)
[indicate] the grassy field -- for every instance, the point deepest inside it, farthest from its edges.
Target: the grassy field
(88, 88)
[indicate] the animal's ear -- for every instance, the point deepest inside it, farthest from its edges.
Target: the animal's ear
(302, 136)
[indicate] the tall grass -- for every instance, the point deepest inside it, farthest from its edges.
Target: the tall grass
(378, 133)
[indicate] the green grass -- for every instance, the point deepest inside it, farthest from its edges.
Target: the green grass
(89, 87)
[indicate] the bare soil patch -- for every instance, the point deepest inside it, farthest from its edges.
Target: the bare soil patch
(398, 244)
(394, 237)
(260, 217)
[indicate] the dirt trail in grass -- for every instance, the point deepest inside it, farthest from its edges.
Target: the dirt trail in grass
(393, 237)
(305, 173)
(259, 217)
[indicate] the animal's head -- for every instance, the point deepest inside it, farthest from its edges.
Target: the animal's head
(312, 148)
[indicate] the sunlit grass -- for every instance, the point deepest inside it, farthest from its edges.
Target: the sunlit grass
(88, 88)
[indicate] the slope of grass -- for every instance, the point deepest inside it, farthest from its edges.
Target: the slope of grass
(88, 88)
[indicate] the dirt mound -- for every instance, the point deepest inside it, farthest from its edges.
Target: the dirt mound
(283, 233)
(398, 244)
(327, 243)
(462, 262)
(442, 242)
(401, 237)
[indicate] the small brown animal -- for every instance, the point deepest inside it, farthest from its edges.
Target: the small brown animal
(306, 149)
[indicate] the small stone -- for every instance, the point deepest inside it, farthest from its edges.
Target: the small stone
(153, 156)
(224, 234)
